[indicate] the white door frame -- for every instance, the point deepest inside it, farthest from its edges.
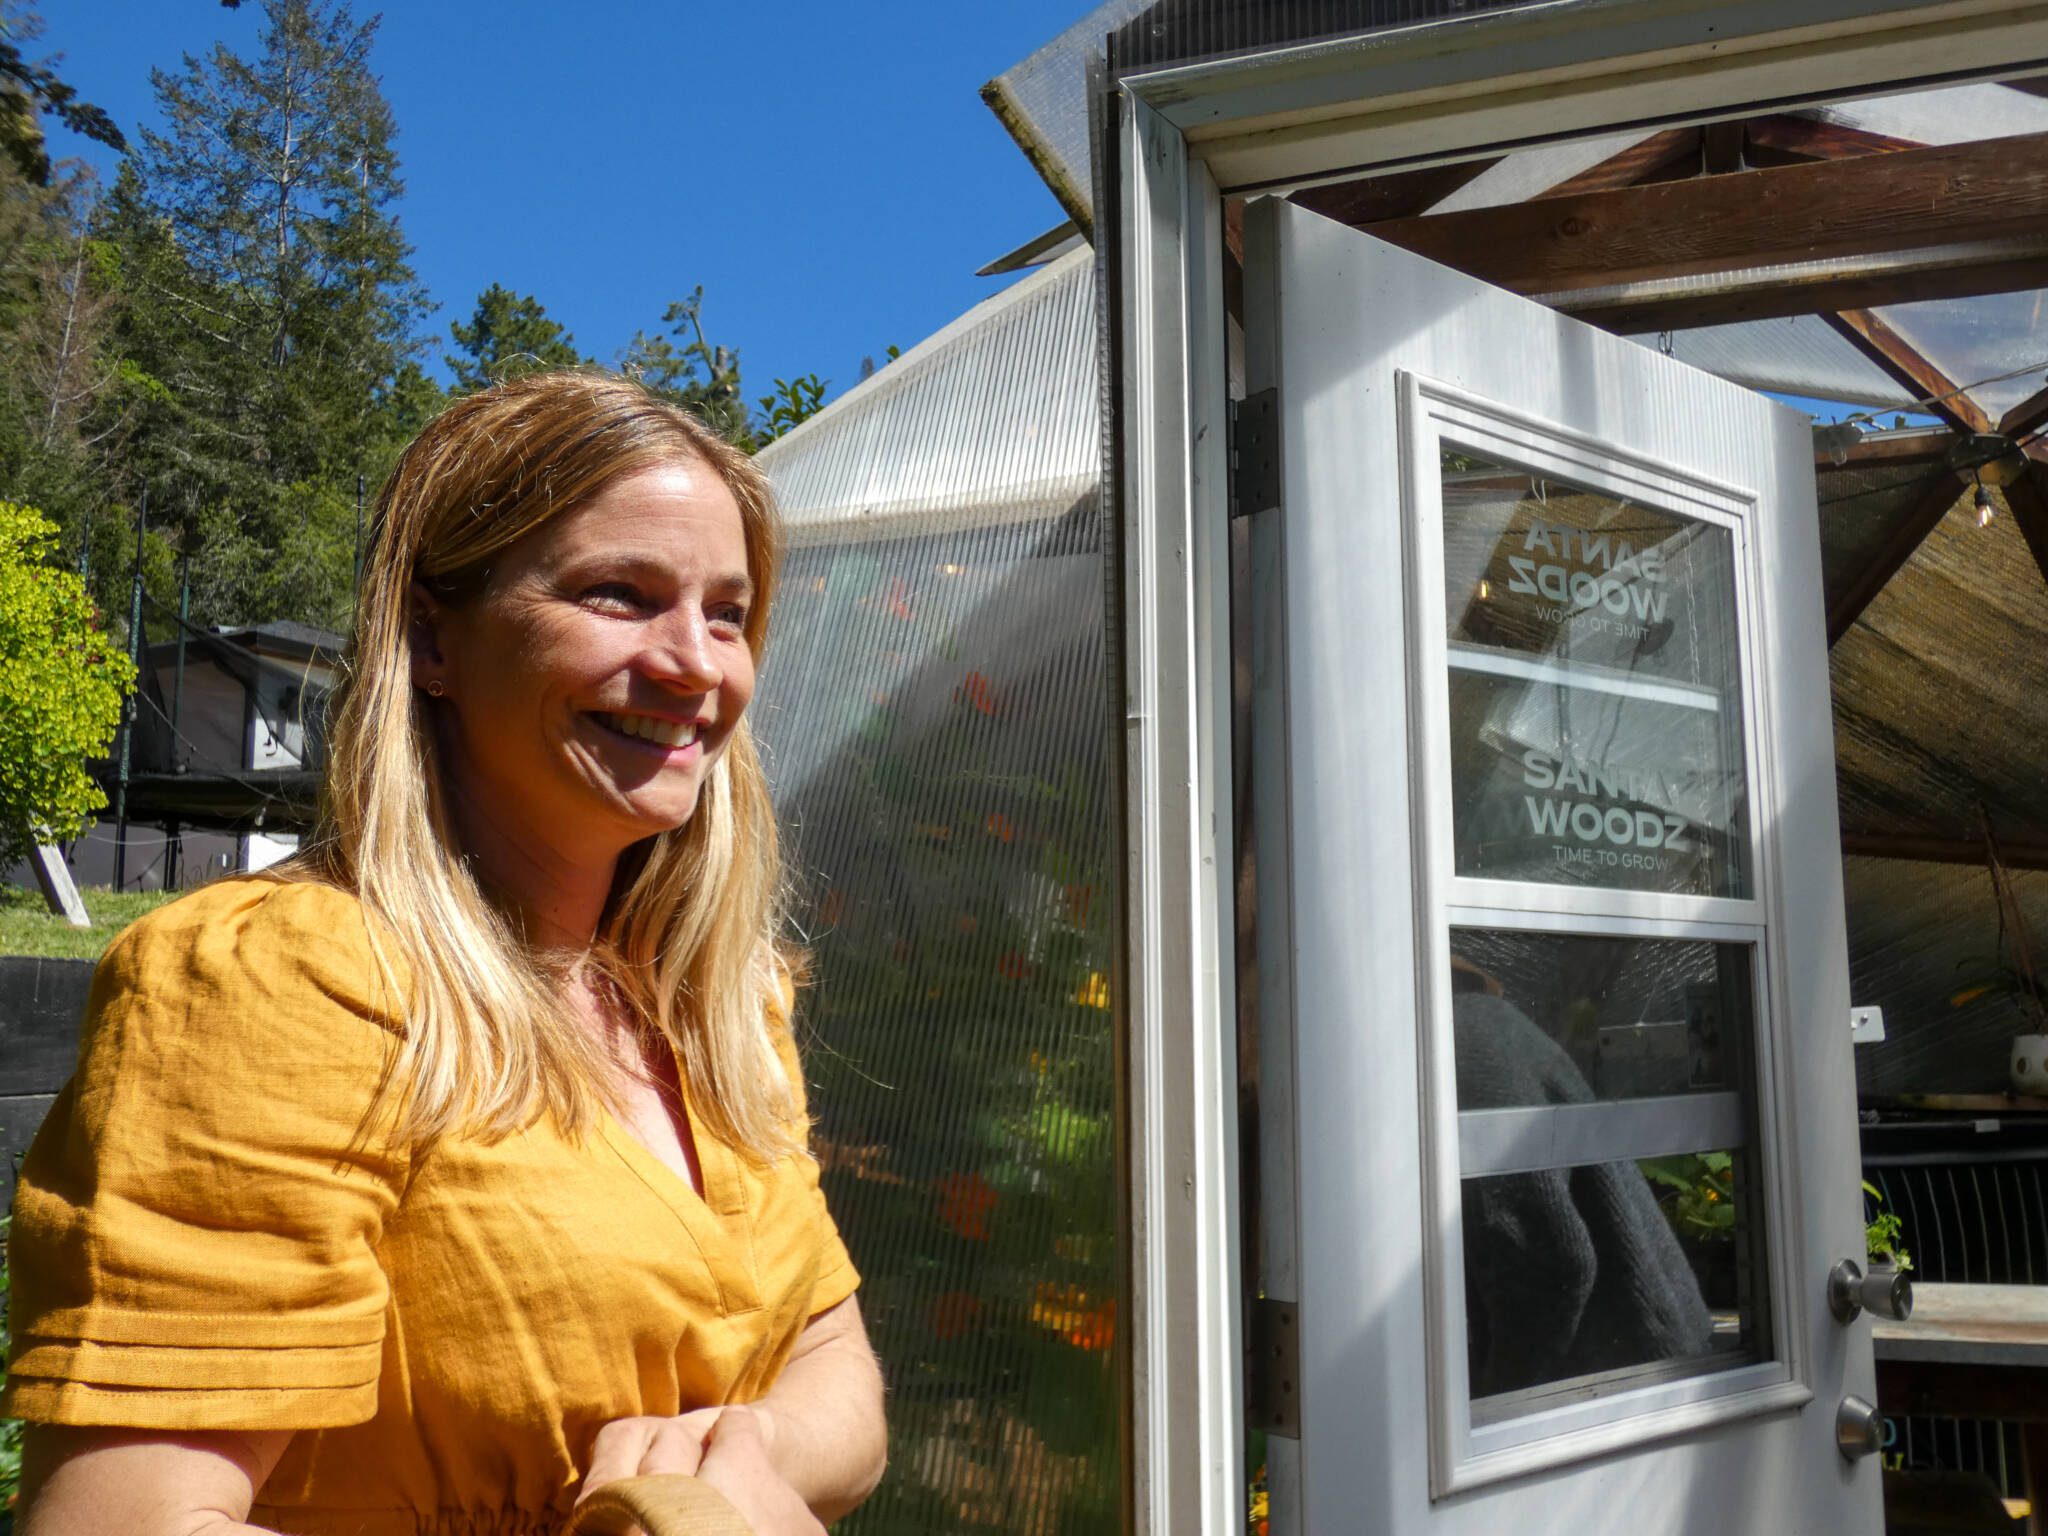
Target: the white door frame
(1180, 138)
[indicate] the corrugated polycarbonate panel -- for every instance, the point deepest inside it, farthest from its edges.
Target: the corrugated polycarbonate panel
(1995, 346)
(1186, 31)
(1955, 114)
(1800, 355)
(991, 420)
(933, 713)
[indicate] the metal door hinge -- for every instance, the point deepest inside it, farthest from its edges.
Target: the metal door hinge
(1272, 1367)
(1255, 453)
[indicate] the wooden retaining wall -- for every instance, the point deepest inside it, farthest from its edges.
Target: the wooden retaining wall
(41, 1002)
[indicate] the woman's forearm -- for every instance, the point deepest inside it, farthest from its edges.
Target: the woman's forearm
(117, 1482)
(826, 1433)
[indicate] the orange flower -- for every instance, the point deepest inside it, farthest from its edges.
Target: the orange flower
(977, 693)
(965, 1201)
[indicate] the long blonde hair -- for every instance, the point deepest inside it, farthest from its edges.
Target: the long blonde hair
(690, 938)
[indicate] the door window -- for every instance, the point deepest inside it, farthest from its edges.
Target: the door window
(1594, 915)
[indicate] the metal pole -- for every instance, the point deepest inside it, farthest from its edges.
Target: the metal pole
(178, 763)
(128, 704)
(174, 846)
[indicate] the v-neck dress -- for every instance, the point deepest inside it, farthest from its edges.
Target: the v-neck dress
(211, 1233)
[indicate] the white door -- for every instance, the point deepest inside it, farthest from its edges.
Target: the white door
(1559, 1108)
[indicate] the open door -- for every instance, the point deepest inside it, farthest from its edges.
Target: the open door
(1559, 1114)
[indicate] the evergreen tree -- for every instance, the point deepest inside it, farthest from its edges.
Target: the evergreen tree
(509, 335)
(270, 294)
(686, 368)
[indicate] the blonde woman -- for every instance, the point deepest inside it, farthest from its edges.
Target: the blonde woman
(458, 1169)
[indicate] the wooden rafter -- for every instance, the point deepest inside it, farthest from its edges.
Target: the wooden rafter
(1638, 163)
(1770, 293)
(1721, 148)
(1906, 365)
(2027, 496)
(1951, 196)
(2027, 415)
(1781, 139)
(1894, 448)
(1395, 195)
(1937, 494)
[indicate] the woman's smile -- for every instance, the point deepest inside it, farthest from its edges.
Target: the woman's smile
(656, 731)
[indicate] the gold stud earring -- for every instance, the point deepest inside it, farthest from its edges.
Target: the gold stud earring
(437, 688)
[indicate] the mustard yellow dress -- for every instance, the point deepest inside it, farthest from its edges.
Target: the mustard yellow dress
(205, 1237)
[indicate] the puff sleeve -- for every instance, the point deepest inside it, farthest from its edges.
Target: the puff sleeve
(196, 1230)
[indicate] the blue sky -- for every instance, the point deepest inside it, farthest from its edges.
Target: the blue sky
(827, 171)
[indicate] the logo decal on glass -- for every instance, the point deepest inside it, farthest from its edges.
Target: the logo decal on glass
(1596, 718)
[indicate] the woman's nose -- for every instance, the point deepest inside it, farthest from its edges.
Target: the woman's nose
(681, 654)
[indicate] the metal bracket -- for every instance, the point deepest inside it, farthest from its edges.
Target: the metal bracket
(1255, 453)
(1272, 1367)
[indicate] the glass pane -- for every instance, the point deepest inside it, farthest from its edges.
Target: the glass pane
(1547, 1018)
(1584, 1281)
(1604, 1249)
(1596, 714)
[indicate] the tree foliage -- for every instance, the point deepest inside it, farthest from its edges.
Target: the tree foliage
(509, 335)
(234, 330)
(29, 86)
(61, 686)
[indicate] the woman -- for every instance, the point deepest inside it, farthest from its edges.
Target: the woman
(458, 1169)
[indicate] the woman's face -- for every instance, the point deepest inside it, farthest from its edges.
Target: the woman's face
(592, 683)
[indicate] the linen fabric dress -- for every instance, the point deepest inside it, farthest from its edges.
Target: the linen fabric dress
(216, 1230)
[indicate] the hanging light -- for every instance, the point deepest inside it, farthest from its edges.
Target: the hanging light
(1982, 501)
(1485, 589)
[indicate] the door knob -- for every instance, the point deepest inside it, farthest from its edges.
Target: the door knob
(1885, 1291)
(1859, 1429)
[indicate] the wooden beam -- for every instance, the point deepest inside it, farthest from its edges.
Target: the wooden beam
(1928, 447)
(1638, 163)
(1781, 138)
(1868, 333)
(2027, 497)
(2027, 415)
(1936, 496)
(1952, 195)
(1770, 293)
(1943, 850)
(1721, 148)
(1395, 195)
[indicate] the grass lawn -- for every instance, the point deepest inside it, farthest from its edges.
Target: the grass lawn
(27, 928)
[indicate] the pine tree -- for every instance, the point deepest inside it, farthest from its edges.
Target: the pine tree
(686, 368)
(510, 334)
(270, 293)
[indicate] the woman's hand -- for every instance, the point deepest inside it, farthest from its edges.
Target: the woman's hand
(737, 1464)
(636, 1447)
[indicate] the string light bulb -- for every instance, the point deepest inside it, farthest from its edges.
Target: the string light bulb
(1485, 589)
(1981, 499)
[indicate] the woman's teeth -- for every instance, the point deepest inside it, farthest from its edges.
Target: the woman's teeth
(666, 733)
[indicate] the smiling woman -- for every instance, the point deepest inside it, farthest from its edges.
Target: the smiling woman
(459, 1168)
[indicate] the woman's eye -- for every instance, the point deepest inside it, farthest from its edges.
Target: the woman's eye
(729, 613)
(615, 596)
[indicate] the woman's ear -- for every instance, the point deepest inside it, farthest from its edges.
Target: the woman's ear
(423, 633)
